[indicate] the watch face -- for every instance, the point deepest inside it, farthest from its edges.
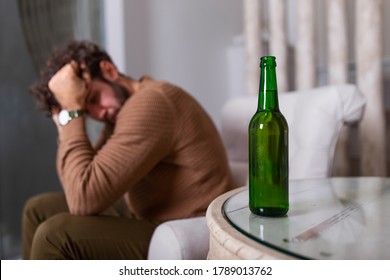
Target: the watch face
(63, 117)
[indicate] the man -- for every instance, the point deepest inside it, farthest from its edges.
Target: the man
(159, 158)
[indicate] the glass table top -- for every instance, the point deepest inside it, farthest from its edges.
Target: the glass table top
(330, 218)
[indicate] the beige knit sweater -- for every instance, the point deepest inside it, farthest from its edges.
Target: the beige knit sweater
(164, 156)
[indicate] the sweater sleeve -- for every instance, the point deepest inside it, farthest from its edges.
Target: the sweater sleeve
(143, 135)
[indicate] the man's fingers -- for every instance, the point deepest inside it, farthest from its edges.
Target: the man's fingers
(85, 75)
(67, 72)
(75, 67)
(81, 71)
(85, 72)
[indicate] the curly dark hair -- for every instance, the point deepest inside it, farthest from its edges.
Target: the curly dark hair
(81, 52)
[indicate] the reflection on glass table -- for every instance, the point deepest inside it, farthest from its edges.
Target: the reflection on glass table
(331, 218)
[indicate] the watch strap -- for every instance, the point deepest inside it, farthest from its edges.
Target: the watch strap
(75, 113)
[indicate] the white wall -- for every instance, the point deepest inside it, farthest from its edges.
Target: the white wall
(184, 42)
(114, 31)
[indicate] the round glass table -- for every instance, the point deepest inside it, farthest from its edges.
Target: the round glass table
(330, 218)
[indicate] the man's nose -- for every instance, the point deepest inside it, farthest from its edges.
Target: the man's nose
(96, 112)
(100, 112)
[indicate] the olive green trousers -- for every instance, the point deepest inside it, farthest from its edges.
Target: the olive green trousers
(51, 232)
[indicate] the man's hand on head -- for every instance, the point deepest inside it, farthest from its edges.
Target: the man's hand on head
(68, 88)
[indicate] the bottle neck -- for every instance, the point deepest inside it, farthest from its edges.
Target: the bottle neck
(268, 90)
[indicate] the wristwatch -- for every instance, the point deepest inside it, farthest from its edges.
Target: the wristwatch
(65, 116)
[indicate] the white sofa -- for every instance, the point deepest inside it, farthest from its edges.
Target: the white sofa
(315, 118)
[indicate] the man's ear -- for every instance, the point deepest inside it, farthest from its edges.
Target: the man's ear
(108, 70)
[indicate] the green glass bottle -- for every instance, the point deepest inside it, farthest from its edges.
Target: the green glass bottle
(268, 149)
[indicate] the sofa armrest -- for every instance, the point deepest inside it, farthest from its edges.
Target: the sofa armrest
(183, 239)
